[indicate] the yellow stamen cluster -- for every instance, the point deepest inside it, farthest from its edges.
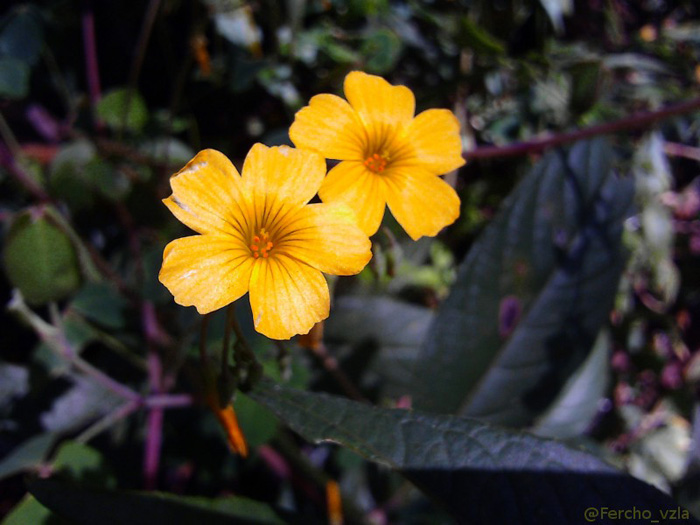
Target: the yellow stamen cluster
(261, 244)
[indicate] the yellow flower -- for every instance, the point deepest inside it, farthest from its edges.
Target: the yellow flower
(388, 156)
(259, 235)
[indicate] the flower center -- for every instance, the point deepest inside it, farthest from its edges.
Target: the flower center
(376, 163)
(261, 245)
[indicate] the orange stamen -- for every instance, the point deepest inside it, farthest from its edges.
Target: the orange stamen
(261, 245)
(376, 163)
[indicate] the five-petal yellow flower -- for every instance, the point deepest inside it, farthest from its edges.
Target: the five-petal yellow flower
(260, 235)
(388, 156)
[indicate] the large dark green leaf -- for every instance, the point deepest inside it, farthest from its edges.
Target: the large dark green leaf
(533, 293)
(381, 333)
(481, 473)
(81, 504)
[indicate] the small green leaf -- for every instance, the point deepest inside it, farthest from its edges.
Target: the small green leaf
(112, 109)
(26, 456)
(168, 149)
(84, 505)
(479, 472)
(258, 423)
(30, 511)
(101, 303)
(67, 173)
(381, 49)
(14, 78)
(80, 462)
(478, 39)
(40, 259)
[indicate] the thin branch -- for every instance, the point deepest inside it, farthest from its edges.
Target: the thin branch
(154, 439)
(91, 67)
(330, 364)
(226, 345)
(674, 149)
(9, 153)
(141, 46)
(168, 401)
(107, 421)
(637, 121)
(203, 339)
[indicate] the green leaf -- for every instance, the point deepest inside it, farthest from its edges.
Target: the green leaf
(29, 510)
(101, 303)
(480, 473)
(168, 149)
(26, 456)
(381, 49)
(532, 294)
(21, 35)
(80, 462)
(257, 422)
(14, 78)
(89, 505)
(381, 333)
(576, 405)
(40, 259)
(67, 173)
(479, 40)
(112, 109)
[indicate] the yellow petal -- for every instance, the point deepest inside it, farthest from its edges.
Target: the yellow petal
(421, 202)
(287, 297)
(377, 101)
(207, 271)
(327, 237)
(207, 195)
(330, 126)
(283, 174)
(434, 135)
(352, 183)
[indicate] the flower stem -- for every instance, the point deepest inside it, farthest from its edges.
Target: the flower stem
(226, 345)
(203, 339)
(636, 121)
(107, 421)
(330, 364)
(92, 69)
(144, 37)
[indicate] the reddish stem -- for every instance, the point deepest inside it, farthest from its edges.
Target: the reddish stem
(636, 121)
(91, 67)
(154, 435)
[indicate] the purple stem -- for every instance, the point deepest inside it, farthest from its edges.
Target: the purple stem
(8, 161)
(154, 434)
(91, 68)
(154, 424)
(168, 401)
(637, 121)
